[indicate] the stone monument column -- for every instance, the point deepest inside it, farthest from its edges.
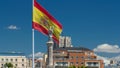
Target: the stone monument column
(50, 44)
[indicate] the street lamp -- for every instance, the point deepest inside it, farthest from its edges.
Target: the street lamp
(63, 58)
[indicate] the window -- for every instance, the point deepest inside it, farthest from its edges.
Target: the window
(94, 63)
(22, 64)
(22, 60)
(15, 59)
(2, 59)
(82, 63)
(2, 65)
(89, 57)
(71, 57)
(11, 59)
(89, 63)
(76, 57)
(82, 57)
(16, 65)
(6, 59)
(77, 63)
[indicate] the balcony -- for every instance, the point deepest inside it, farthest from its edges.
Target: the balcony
(92, 64)
(61, 64)
(59, 54)
(61, 59)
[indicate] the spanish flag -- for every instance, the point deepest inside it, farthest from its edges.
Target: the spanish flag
(42, 21)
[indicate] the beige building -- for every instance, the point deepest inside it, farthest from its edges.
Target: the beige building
(16, 61)
(19, 60)
(38, 63)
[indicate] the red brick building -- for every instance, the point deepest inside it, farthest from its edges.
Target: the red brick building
(76, 56)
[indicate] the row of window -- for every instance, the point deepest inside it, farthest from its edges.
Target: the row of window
(81, 57)
(72, 63)
(11, 60)
(15, 65)
(72, 57)
(92, 64)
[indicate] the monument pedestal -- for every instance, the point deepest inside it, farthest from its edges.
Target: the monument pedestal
(50, 53)
(50, 66)
(50, 44)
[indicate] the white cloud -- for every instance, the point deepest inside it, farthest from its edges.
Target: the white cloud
(107, 48)
(106, 60)
(12, 27)
(117, 58)
(37, 55)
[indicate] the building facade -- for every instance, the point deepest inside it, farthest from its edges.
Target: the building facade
(76, 56)
(94, 63)
(16, 61)
(19, 60)
(38, 62)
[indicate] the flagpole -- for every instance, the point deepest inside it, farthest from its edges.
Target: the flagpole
(33, 43)
(33, 48)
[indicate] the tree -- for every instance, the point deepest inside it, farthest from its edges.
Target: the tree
(8, 65)
(83, 67)
(78, 66)
(72, 67)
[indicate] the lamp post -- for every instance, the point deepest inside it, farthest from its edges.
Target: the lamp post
(63, 58)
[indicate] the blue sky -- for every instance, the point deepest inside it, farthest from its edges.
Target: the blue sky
(89, 23)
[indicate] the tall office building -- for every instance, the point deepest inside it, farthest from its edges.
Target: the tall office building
(65, 41)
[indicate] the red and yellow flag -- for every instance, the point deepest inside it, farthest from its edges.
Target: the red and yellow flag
(42, 21)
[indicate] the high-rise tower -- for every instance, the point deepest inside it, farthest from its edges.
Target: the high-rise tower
(65, 41)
